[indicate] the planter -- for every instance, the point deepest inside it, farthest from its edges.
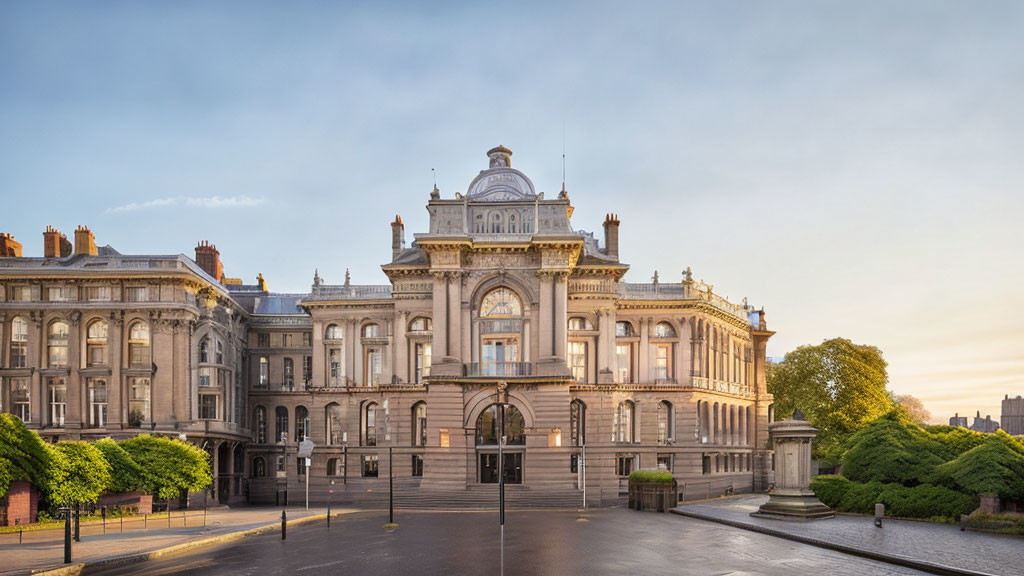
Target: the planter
(20, 504)
(143, 503)
(653, 497)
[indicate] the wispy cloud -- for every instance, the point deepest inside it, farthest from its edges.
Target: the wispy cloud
(190, 201)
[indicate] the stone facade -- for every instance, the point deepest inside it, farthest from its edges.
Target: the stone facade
(500, 300)
(1012, 418)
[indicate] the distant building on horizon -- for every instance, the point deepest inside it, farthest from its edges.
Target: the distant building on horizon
(1013, 415)
(986, 424)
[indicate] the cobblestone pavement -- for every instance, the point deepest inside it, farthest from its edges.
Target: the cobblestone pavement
(942, 544)
(45, 548)
(560, 543)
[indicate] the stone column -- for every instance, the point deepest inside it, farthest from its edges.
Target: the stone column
(792, 498)
(400, 348)
(561, 295)
(545, 328)
(440, 312)
(601, 342)
(454, 311)
(643, 374)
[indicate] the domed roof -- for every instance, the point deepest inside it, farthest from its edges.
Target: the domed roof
(500, 182)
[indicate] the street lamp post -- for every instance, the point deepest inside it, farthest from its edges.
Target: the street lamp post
(330, 492)
(502, 396)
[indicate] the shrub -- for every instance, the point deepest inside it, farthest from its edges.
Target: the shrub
(169, 467)
(926, 501)
(651, 477)
(127, 475)
(892, 449)
(830, 489)
(5, 475)
(861, 497)
(995, 466)
(84, 474)
(28, 457)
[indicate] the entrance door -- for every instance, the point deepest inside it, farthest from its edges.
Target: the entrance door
(513, 468)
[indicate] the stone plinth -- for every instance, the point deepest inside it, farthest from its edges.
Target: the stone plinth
(792, 498)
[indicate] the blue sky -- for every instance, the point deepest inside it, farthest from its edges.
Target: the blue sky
(854, 167)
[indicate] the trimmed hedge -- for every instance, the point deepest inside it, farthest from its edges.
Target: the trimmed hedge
(651, 477)
(126, 474)
(921, 501)
(995, 466)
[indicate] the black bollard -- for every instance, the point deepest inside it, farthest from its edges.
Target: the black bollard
(328, 514)
(103, 513)
(78, 509)
(67, 536)
(284, 525)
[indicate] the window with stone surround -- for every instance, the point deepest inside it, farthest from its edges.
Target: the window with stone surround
(57, 344)
(138, 345)
(19, 343)
(96, 343)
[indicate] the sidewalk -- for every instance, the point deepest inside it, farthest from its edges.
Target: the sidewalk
(928, 546)
(40, 551)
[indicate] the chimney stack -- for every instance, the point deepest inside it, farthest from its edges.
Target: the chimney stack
(85, 242)
(611, 236)
(397, 237)
(208, 258)
(9, 248)
(55, 244)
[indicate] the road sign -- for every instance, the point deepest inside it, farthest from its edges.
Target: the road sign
(306, 448)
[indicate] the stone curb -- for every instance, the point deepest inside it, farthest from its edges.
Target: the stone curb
(82, 567)
(921, 565)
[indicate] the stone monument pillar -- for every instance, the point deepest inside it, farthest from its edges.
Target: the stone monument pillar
(792, 498)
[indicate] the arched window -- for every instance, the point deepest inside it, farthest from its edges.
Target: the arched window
(289, 373)
(488, 426)
(624, 328)
(371, 331)
(259, 467)
(301, 423)
(419, 424)
(579, 323)
(666, 422)
(334, 332)
(369, 417)
(577, 423)
(281, 428)
(204, 351)
(57, 344)
(624, 425)
(501, 303)
(497, 226)
(664, 330)
(499, 332)
(260, 424)
(513, 223)
(421, 324)
(19, 342)
(332, 467)
(335, 428)
(96, 343)
(220, 352)
(138, 345)
(528, 220)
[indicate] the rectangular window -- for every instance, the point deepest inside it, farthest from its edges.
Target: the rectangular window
(665, 462)
(21, 398)
(263, 340)
(287, 342)
(19, 343)
(374, 367)
(334, 367)
(370, 466)
(204, 377)
(422, 361)
(21, 294)
(300, 465)
(207, 406)
(138, 401)
(264, 372)
(59, 293)
(417, 464)
(97, 388)
(574, 463)
(578, 361)
(663, 362)
(281, 472)
(307, 370)
(623, 464)
(705, 464)
(135, 294)
(307, 339)
(97, 293)
(624, 356)
(58, 398)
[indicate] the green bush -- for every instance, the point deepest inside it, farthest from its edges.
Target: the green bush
(651, 477)
(84, 474)
(892, 448)
(5, 475)
(926, 501)
(169, 467)
(861, 497)
(28, 457)
(830, 489)
(995, 466)
(127, 475)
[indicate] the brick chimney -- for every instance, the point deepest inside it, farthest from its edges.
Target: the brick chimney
(611, 236)
(208, 258)
(55, 244)
(85, 242)
(9, 247)
(397, 237)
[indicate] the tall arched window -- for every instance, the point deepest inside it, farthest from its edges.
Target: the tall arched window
(334, 336)
(281, 431)
(289, 373)
(624, 425)
(577, 423)
(496, 223)
(369, 417)
(500, 313)
(513, 223)
(301, 423)
(419, 424)
(138, 345)
(96, 343)
(334, 332)
(259, 467)
(19, 342)
(57, 344)
(488, 426)
(204, 351)
(260, 425)
(666, 422)
(373, 357)
(335, 428)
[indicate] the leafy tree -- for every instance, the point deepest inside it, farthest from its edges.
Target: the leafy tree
(169, 466)
(914, 407)
(28, 457)
(838, 385)
(126, 474)
(85, 474)
(5, 475)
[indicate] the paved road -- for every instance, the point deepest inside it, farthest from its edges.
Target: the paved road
(541, 542)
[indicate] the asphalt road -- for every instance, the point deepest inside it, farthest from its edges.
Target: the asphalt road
(541, 542)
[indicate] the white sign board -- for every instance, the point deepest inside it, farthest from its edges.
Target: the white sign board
(306, 448)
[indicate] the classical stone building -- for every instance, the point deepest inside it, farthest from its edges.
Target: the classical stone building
(501, 310)
(1013, 415)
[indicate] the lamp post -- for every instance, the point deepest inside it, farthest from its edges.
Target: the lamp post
(330, 492)
(502, 397)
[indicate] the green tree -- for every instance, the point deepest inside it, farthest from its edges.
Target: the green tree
(914, 407)
(85, 474)
(169, 467)
(126, 474)
(27, 456)
(838, 385)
